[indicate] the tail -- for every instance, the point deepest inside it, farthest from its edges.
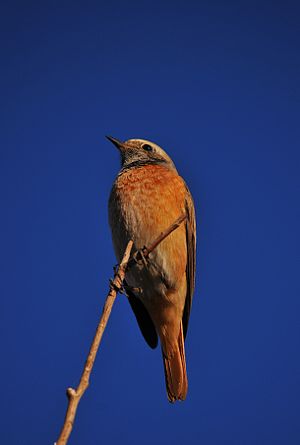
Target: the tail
(175, 370)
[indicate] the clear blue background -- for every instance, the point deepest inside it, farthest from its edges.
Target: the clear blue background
(217, 85)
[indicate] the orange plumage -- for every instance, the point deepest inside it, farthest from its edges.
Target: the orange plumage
(147, 197)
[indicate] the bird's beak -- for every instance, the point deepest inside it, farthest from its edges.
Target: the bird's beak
(116, 142)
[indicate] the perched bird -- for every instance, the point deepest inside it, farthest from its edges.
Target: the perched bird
(147, 196)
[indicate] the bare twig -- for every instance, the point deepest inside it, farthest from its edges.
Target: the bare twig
(164, 234)
(74, 395)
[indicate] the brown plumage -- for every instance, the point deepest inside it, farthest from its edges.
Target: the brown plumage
(147, 196)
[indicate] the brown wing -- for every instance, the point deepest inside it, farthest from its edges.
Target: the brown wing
(191, 258)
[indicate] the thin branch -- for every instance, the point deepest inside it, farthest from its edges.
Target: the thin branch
(164, 234)
(74, 395)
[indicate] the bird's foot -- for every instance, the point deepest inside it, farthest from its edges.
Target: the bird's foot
(141, 256)
(114, 284)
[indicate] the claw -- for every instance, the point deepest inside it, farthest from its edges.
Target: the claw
(140, 257)
(115, 287)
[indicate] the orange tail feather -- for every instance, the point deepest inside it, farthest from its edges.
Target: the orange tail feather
(175, 370)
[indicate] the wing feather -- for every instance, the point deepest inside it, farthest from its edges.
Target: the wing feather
(143, 318)
(191, 258)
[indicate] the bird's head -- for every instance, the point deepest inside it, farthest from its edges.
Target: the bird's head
(138, 152)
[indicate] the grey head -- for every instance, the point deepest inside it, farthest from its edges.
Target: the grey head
(139, 152)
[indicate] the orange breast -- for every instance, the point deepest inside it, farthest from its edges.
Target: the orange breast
(144, 202)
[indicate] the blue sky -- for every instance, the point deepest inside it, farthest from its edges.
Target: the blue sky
(216, 84)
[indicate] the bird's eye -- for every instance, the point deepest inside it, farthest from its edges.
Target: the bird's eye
(147, 147)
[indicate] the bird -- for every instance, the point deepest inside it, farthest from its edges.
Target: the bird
(147, 196)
